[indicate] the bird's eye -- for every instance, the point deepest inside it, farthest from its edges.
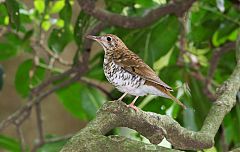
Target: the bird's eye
(109, 38)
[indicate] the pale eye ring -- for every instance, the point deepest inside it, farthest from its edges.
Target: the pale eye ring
(109, 38)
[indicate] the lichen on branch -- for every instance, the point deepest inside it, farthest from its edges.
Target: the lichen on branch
(154, 126)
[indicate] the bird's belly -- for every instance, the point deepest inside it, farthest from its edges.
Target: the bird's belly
(124, 81)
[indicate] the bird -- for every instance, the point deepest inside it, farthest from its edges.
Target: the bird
(126, 71)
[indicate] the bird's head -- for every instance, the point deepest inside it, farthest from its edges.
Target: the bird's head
(109, 42)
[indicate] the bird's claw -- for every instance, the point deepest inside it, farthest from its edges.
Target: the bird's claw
(133, 107)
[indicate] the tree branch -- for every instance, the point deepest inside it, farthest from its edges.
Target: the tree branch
(23, 113)
(215, 58)
(38, 93)
(178, 8)
(154, 126)
(21, 137)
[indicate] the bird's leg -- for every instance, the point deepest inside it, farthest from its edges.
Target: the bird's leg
(131, 105)
(120, 99)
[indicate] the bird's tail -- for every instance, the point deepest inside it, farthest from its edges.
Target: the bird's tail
(175, 99)
(166, 92)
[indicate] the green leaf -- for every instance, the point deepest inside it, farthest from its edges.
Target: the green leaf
(57, 6)
(4, 19)
(52, 147)
(160, 43)
(96, 72)
(203, 26)
(81, 25)
(156, 104)
(13, 11)
(189, 119)
(46, 25)
(66, 13)
(223, 34)
(152, 43)
(10, 46)
(213, 149)
(13, 39)
(163, 61)
(200, 109)
(60, 23)
(145, 4)
(7, 51)
(118, 5)
(59, 38)
(80, 100)
(23, 82)
(39, 5)
(9, 144)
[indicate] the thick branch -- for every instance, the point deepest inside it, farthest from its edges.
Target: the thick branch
(177, 8)
(154, 126)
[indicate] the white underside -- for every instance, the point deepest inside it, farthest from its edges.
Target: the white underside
(130, 84)
(142, 91)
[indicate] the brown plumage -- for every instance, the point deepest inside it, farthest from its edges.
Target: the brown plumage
(128, 72)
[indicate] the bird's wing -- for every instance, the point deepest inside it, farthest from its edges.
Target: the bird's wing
(135, 65)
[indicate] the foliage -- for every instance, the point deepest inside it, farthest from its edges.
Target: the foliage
(207, 26)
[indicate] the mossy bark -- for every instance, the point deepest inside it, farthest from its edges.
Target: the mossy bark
(153, 126)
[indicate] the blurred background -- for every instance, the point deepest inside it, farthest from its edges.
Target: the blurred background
(53, 77)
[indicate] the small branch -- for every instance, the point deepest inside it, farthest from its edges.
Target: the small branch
(60, 138)
(23, 113)
(39, 124)
(223, 139)
(52, 54)
(177, 8)
(21, 137)
(235, 150)
(79, 70)
(101, 88)
(238, 48)
(53, 79)
(38, 93)
(218, 52)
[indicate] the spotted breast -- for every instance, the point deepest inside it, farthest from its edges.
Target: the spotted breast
(122, 79)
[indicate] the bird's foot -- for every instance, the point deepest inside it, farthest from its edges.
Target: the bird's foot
(133, 107)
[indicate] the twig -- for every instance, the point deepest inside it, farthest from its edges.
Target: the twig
(218, 52)
(39, 124)
(227, 17)
(183, 41)
(89, 82)
(54, 55)
(21, 137)
(223, 139)
(37, 94)
(53, 79)
(60, 138)
(23, 113)
(206, 90)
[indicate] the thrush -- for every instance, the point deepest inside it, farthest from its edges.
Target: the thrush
(128, 73)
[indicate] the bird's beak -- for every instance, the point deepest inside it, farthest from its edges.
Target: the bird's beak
(96, 38)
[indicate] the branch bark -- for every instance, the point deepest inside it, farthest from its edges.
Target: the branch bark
(177, 7)
(154, 126)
